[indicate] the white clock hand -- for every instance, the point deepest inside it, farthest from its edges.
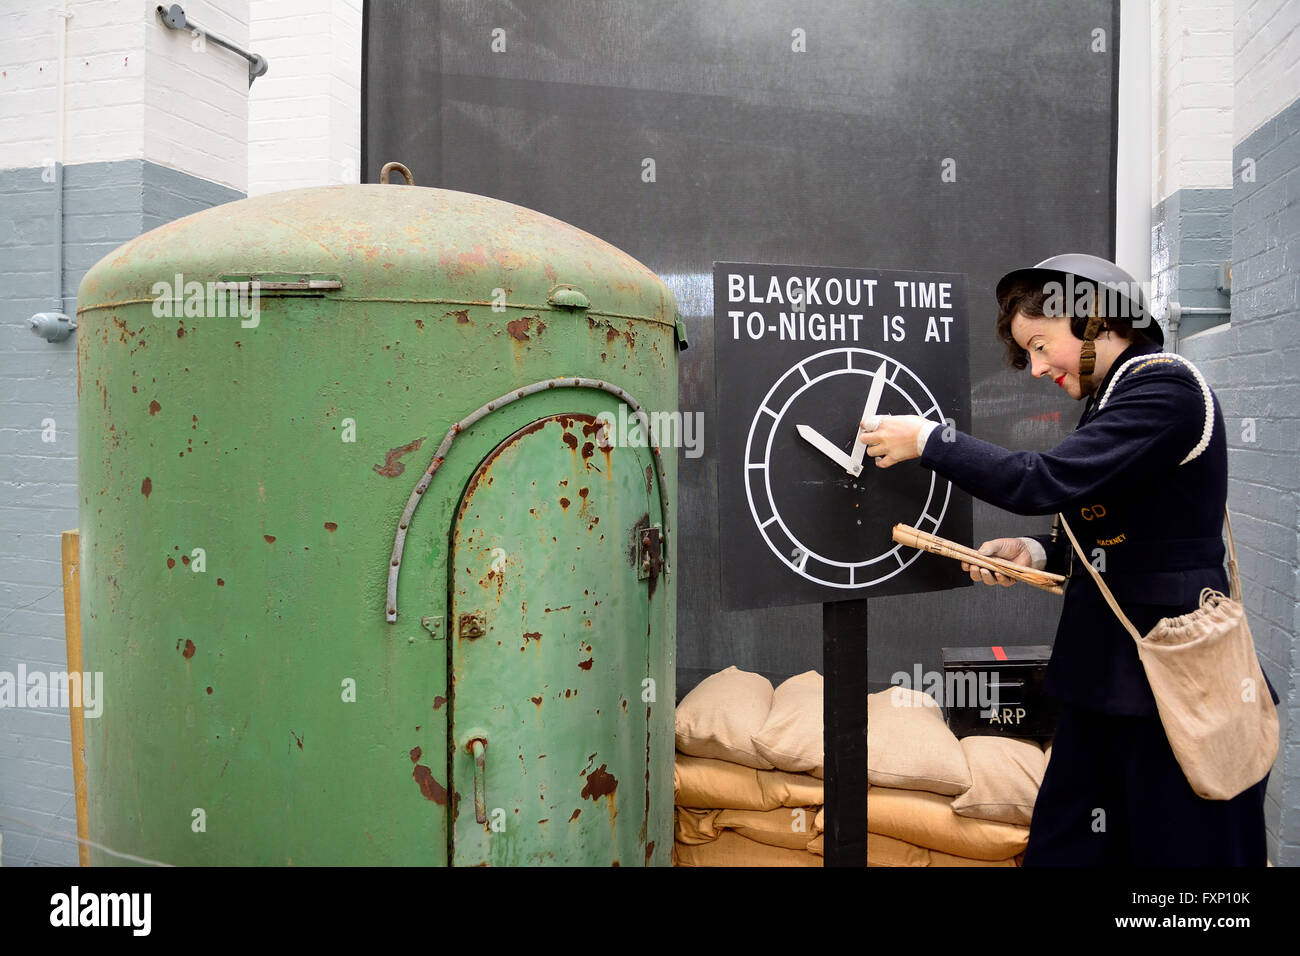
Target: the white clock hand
(873, 402)
(813, 438)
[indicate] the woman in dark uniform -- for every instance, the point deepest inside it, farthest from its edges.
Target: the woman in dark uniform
(1142, 482)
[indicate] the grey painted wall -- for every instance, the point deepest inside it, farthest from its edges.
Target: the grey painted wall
(1191, 238)
(105, 204)
(1253, 364)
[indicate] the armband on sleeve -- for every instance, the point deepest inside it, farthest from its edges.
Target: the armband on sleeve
(1037, 554)
(923, 435)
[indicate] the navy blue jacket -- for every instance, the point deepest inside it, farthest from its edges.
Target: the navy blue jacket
(1121, 482)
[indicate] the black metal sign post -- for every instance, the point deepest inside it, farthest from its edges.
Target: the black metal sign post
(803, 353)
(844, 712)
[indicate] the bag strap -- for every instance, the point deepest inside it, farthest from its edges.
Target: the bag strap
(1101, 585)
(1233, 575)
(1234, 578)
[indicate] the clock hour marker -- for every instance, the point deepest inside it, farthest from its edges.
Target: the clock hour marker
(767, 522)
(804, 374)
(756, 464)
(764, 408)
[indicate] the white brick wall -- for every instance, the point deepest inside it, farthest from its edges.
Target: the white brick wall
(136, 90)
(196, 100)
(105, 82)
(304, 125)
(1192, 95)
(133, 89)
(103, 85)
(1266, 62)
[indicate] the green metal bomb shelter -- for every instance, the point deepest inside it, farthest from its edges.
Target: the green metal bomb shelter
(367, 581)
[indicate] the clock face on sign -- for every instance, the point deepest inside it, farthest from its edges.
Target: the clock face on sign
(802, 354)
(845, 541)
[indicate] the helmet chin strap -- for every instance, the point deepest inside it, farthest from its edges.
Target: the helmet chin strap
(1088, 351)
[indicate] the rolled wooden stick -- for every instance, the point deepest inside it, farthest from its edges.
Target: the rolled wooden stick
(961, 551)
(924, 541)
(952, 549)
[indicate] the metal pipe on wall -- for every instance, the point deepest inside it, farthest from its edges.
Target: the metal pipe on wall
(1133, 149)
(1176, 313)
(56, 326)
(64, 15)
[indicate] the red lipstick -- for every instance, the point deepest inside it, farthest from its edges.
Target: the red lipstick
(1059, 380)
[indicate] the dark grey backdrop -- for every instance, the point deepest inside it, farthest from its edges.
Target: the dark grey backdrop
(831, 156)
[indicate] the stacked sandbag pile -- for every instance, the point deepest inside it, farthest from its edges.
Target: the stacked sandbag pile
(747, 780)
(934, 800)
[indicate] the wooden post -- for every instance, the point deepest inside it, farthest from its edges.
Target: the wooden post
(72, 631)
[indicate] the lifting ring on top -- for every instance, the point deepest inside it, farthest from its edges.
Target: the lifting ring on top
(399, 541)
(389, 167)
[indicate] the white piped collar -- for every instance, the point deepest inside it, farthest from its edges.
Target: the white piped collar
(1207, 430)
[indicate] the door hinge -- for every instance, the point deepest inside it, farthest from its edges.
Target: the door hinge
(649, 553)
(679, 333)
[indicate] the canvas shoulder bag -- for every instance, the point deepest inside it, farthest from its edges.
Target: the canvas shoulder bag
(1210, 691)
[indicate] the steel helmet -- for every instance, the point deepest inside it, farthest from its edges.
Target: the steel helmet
(1079, 270)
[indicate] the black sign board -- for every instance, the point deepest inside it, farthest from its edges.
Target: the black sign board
(802, 346)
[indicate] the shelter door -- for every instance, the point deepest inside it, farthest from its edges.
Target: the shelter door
(549, 636)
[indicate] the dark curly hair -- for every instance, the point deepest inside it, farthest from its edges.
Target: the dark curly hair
(1038, 300)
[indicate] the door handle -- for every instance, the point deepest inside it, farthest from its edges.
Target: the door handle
(478, 747)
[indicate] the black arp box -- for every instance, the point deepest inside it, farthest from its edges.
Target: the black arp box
(998, 690)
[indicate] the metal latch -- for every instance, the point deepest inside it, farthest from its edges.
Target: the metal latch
(565, 296)
(280, 282)
(649, 553)
(478, 747)
(472, 625)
